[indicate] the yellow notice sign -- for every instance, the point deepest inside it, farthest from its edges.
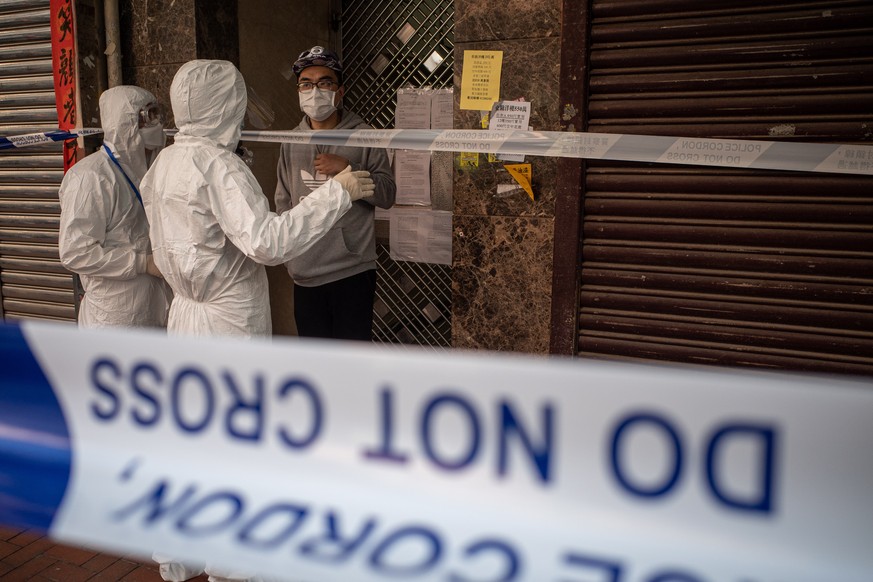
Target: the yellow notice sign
(484, 122)
(469, 160)
(523, 175)
(480, 79)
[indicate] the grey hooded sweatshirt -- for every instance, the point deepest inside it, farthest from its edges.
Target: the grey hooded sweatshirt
(350, 246)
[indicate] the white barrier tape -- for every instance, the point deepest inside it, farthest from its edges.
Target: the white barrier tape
(770, 155)
(32, 139)
(728, 153)
(323, 461)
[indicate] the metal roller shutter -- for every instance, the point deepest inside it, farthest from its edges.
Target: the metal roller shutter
(727, 266)
(33, 284)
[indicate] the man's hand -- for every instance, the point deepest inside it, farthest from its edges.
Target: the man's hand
(330, 164)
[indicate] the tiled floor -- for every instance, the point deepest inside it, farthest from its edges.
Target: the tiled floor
(28, 556)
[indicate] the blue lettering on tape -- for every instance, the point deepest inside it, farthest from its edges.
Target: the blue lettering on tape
(540, 455)
(535, 445)
(675, 577)
(387, 560)
(318, 535)
(212, 514)
(249, 409)
(473, 430)
(201, 385)
(765, 437)
(290, 515)
(317, 409)
(758, 496)
(610, 568)
(109, 404)
(333, 547)
(193, 400)
(618, 469)
(386, 450)
(145, 379)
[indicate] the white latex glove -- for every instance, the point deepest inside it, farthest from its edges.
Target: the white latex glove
(357, 184)
(152, 268)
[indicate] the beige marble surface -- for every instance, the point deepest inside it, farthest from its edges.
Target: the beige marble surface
(503, 241)
(217, 30)
(476, 20)
(156, 33)
(501, 283)
(160, 36)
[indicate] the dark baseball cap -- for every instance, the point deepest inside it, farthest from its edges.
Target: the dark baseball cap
(318, 56)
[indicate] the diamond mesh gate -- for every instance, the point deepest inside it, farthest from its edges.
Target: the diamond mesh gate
(387, 45)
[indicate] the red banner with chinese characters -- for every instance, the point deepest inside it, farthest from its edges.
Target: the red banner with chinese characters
(64, 71)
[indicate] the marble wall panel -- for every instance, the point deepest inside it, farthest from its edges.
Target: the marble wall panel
(501, 283)
(159, 36)
(91, 61)
(503, 244)
(217, 30)
(530, 71)
(157, 32)
(477, 20)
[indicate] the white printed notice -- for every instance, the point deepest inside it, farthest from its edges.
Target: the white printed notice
(510, 115)
(413, 109)
(412, 175)
(421, 235)
(441, 109)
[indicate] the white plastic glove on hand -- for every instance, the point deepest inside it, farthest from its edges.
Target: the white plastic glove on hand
(152, 268)
(357, 184)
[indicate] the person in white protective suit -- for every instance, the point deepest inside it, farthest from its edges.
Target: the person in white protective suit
(211, 226)
(104, 235)
(212, 230)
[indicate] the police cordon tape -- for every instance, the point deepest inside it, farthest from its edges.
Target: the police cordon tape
(729, 153)
(42, 138)
(319, 461)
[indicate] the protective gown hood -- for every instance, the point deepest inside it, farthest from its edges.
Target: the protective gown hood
(212, 230)
(119, 117)
(103, 233)
(209, 101)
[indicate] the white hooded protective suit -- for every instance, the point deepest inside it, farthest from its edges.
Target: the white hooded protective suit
(104, 236)
(211, 226)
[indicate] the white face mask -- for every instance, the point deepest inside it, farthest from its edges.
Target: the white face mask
(318, 103)
(153, 136)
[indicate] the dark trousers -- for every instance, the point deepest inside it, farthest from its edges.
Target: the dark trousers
(339, 310)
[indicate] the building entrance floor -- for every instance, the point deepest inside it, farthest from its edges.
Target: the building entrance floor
(29, 556)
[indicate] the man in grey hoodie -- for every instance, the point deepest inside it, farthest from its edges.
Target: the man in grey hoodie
(335, 280)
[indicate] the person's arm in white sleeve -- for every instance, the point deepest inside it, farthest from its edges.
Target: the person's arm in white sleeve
(242, 211)
(284, 180)
(86, 204)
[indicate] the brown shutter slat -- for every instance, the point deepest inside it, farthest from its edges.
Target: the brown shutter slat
(33, 284)
(716, 265)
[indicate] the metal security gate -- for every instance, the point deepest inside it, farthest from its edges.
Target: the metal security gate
(725, 266)
(33, 284)
(387, 45)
